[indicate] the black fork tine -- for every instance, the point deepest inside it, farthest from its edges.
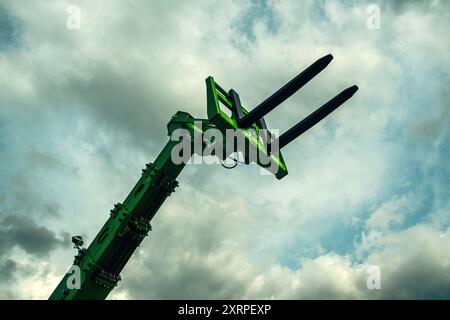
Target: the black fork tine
(316, 116)
(285, 92)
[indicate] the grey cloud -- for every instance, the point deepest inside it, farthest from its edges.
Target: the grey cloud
(130, 100)
(23, 200)
(434, 124)
(120, 103)
(7, 269)
(192, 276)
(25, 233)
(52, 210)
(414, 264)
(8, 276)
(421, 276)
(42, 159)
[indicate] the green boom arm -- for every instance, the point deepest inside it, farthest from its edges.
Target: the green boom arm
(129, 223)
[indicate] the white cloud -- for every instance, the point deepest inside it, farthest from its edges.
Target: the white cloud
(392, 212)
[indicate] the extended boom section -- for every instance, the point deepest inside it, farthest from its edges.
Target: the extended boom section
(129, 223)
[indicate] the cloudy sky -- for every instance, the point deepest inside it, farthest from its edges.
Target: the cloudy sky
(82, 111)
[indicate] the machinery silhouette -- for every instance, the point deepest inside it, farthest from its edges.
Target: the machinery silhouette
(100, 264)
